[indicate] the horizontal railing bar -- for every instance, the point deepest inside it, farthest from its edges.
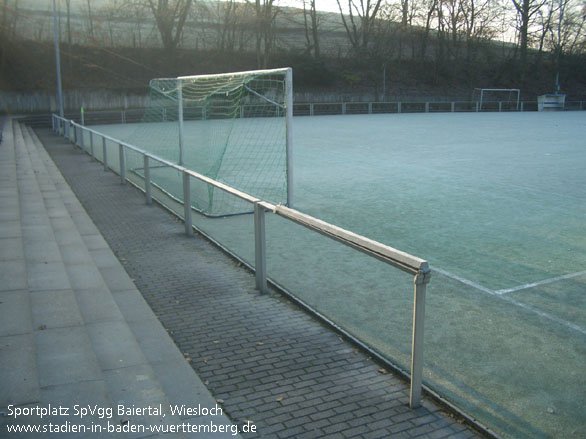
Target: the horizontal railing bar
(396, 258)
(404, 261)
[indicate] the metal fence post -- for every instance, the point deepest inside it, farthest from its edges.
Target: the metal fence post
(92, 144)
(82, 139)
(147, 180)
(398, 107)
(260, 258)
(104, 154)
(122, 162)
(180, 119)
(427, 107)
(289, 135)
(421, 279)
(187, 204)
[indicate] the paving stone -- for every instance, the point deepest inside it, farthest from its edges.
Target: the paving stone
(18, 370)
(75, 253)
(43, 276)
(65, 356)
(114, 345)
(54, 309)
(15, 316)
(13, 275)
(97, 305)
(84, 276)
(10, 229)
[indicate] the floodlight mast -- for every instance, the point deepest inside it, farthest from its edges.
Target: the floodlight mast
(57, 57)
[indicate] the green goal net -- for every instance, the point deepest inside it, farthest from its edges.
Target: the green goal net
(234, 128)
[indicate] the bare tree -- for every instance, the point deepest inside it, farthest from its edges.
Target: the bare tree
(265, 16)
(360, 21)
(90, 19)
(311, 22)
(428, 12)
(228, 15)
(170, 16)
(3, 36)
(526, 12)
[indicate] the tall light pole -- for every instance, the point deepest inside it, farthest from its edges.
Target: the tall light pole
(57, 58)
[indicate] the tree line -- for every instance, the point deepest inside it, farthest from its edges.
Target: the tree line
(446, 32)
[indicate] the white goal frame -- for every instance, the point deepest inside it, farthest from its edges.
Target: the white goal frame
(288, 71)
(510, 90)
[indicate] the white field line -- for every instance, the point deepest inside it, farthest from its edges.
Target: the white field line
(464, 281)
(542, 282)
(537, 311)
(504, 297)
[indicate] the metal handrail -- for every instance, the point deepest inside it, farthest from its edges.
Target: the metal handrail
(413, 265)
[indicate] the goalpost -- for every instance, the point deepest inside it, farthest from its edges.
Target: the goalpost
(499, 95)
(235, 128)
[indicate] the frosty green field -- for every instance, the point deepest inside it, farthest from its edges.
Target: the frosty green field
(496, 202)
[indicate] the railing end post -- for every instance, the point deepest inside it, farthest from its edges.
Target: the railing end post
(420, 280)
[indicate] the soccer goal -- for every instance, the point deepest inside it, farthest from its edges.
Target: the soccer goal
(497, 99)
(235, 128)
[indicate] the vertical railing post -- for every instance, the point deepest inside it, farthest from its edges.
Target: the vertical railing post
(147, 180)
(453, 107)
(187, 204)
(421, 279)
(104, 154)
(500, 106)
(82, 139)
(289, 135)
(180, 119)
(92, 144)
(370, 108)
(122, 163)
(398, 107)
(343, 107)
(427, 107)
(260, 258)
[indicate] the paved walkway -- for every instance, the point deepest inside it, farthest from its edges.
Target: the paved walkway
(265, 361)
(77, 339)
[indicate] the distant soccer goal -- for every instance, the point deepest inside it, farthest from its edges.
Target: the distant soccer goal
(497, 99)
(233, 127)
